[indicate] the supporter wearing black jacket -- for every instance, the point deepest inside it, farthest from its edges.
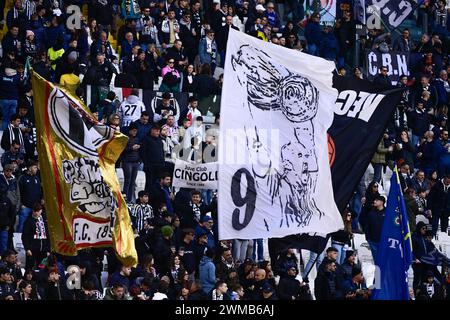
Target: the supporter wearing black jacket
(188, 258)
(289, 287)
(152, 153)
(7, 213)
(35, 237)
(162, 251)
(325, 285)
(192, 211)
(439, 203)
(178, 55)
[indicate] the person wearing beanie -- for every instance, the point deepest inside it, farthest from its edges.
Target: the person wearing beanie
(167, 232)
(162, 250)
(30, 48)
(375, 219)
(131, 162)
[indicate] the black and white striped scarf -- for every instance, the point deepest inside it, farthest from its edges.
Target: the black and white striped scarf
(19, 138)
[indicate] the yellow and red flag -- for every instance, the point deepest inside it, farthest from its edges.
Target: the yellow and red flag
(77, 157)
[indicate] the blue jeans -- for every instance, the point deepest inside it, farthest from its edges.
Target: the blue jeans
(130, 170)
(3, 241)
(207, 196)
(260, 244)
(377, 170)
(23, 216)
(8, 109)
(341, 252)
(355, 206)
(374, 249)
(309, 264)
(313, 49)
(415, 140)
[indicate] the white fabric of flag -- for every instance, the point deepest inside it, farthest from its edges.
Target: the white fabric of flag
(274, 174)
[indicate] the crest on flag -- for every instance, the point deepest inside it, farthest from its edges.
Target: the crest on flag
(77, 156)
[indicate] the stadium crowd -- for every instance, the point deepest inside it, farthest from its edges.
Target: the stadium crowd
(179, 46)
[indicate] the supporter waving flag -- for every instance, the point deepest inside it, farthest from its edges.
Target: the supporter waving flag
(84, 205)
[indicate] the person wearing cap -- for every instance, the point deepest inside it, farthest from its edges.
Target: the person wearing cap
(131, 162)
(205, 226)
(375, 219)
(152, 153)
(439, 204)
(268, 293)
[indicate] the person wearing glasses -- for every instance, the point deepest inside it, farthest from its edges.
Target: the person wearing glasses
(14, 154)
(273, 17)
(208, 51)
(171, 77)
(382, 78)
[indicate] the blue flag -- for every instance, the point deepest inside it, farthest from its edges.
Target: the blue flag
(395, 251)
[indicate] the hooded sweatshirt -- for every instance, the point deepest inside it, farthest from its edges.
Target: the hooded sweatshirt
(207, 274)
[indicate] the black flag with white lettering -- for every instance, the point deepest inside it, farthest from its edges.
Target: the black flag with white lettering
(362, 112)
(361, 115)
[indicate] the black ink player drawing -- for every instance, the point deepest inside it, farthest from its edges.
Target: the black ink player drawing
(271, 87)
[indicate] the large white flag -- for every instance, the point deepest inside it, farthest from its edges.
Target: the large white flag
(274, 175)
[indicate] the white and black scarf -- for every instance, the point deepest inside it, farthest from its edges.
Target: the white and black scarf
(19, 138)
